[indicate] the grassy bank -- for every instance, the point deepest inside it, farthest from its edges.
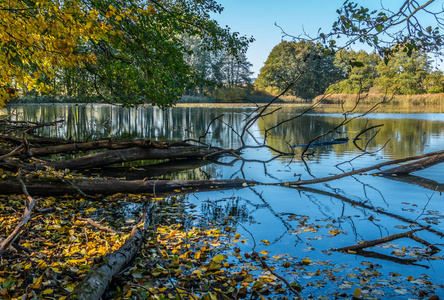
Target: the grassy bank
(373, 98)
(424, 100)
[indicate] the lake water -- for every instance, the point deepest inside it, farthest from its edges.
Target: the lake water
(303, 223)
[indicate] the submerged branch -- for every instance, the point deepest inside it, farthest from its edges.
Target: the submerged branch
(368, 244)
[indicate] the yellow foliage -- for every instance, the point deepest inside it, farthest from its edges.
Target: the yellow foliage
(38, 37)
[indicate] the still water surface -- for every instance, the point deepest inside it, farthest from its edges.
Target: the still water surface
(301, 223)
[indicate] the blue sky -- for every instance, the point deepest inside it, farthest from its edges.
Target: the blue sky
(257, 18)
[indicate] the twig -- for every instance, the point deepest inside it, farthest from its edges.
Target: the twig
(91, 222)
(12, 153)
(30, 203)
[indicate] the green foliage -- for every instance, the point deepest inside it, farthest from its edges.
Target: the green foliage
(233, 94)
(359, 68)
(411, 27)
(403, 74)
(290, 59)
(216, 69)
(434, 82)
(143, 60)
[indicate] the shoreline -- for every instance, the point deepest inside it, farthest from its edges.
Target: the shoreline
(322, 108)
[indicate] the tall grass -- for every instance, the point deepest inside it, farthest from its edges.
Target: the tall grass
(196, 99)
(373, 98)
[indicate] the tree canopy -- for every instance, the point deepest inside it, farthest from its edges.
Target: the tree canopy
(130, 52)
(411, 25)
(290, 59)
(357, 78)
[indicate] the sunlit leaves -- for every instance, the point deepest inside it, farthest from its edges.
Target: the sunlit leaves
(130, 52)
(36, 38)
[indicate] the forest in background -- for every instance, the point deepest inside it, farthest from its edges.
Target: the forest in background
(225, 77)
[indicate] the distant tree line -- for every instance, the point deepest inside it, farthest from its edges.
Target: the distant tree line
(347, 71)
(215, 72)
(225, 76)
(222, 75)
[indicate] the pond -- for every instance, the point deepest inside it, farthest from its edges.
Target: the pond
(300, 225)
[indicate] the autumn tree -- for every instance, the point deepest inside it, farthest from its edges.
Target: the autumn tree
(126, 51)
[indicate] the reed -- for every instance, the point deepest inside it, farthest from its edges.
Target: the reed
(373, 98)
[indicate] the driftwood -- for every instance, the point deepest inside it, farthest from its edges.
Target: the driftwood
(53, 186)
(408, 234)
(97, 280)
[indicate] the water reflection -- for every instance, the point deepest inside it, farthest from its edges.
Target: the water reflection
(408, 134)
(304, 222)
(173, 124)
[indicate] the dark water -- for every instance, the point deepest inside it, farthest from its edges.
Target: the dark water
(302, 223)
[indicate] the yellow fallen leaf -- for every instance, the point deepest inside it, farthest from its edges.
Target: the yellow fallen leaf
(48, 291)
(357, 293)
(218, 258)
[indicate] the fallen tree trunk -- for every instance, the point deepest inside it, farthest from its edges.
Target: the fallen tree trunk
(419, 181)
(48, 186)
(53, 186)
(37, 142)
(416, 166)
(362, 170)
(368, 244)
(94, 145)
(98, 279)
(107, 158)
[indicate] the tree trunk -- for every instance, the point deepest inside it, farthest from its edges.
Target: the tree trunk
(416, 166)
(96, 282)
(368, 244)
(94, 145)
(107, 158)
(54, 187)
